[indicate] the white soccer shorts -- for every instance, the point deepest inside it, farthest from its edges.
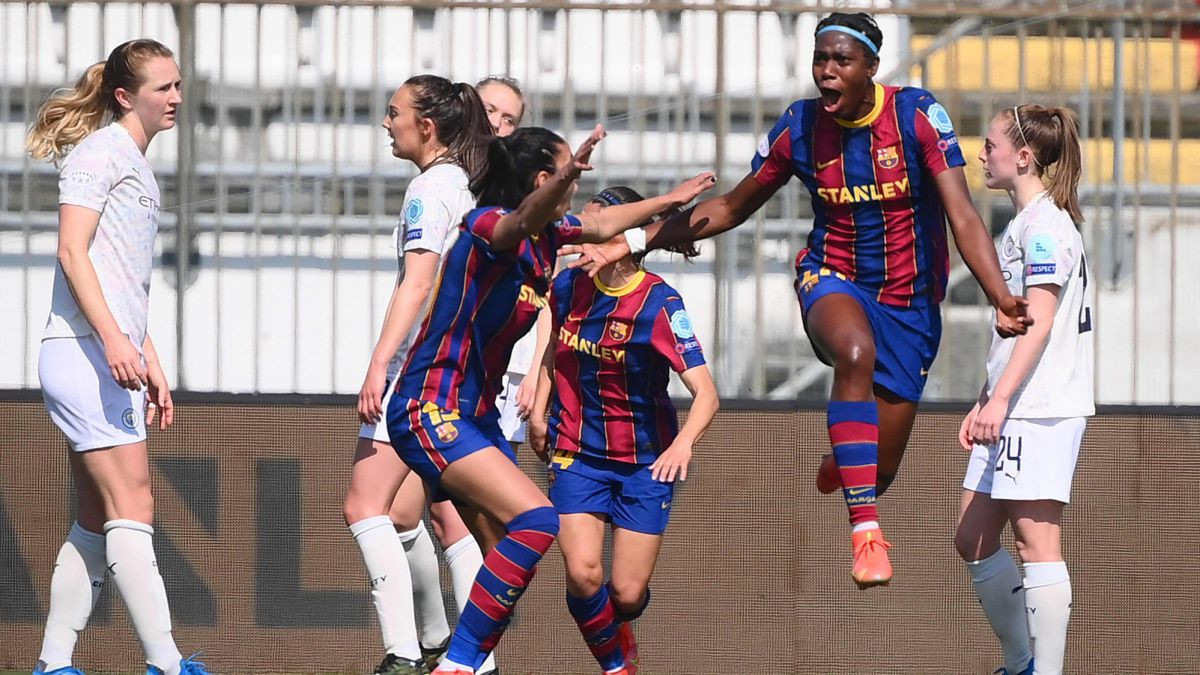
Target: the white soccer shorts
(1034, 459)
(84, 400)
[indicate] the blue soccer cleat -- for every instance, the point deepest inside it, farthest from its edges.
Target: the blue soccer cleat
(188, 666)
(1027, 671)
(65, 670)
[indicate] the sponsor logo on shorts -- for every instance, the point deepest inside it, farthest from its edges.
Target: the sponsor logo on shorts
(1039, 268)
(446, 432)
(129, 418)
(666, 505)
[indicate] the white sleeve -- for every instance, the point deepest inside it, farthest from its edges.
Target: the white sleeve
(427, 218)
(86, 178)
(1049, 254)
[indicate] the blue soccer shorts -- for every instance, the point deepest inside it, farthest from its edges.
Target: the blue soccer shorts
(906, 338)
(623, 492)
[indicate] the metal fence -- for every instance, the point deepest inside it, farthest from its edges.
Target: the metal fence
(281, 196)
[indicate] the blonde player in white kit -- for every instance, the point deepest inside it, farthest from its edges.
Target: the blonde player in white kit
(99, 372)
(442, 128)
(1025, 431)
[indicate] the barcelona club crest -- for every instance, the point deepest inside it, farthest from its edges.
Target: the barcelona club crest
(618, 331)
(887, 157)
(446, 432)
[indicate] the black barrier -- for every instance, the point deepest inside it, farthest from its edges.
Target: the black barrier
(753, 576)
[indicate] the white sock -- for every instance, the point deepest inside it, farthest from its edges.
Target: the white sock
(1048, 601)
(77, 581)
(464, 559)
(129, 546)
(998, 587)
(448, 666)
(868, 525)
(426, 586)
(391, 585)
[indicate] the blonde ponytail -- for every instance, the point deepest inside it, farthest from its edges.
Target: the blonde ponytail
(69, 116)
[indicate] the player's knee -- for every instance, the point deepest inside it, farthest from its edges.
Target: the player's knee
(404, 517)
(584, 577)
(627, 596)
(857, 359)
(972, 546)
(356, 509)
(882, 482)
(1033, 550)
(136, 505)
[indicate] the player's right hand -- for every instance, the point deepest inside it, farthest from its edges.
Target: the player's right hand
(1012, 316)
(370, 396)
(594, 257)
(964, 429)
(125, 362)
(580, 160)
(691, 188)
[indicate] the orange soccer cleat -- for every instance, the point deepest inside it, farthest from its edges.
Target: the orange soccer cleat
(871, 564)
(829, 478)
(629, 647)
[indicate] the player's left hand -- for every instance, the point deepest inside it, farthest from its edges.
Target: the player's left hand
(594, 257)
(1012, 316)
(526, 392)
(158, 398)
(672, 462)
(986, 427)
(964, 429)
(537, 440)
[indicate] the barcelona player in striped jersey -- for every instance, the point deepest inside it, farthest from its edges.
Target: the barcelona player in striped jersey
(442, 417)
(883, 170)
(617, 448)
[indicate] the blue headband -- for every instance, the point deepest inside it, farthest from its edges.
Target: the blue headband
(854, 34)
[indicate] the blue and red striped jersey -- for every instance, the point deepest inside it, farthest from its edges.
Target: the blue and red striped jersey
(613, 353)
(877, 215)
(483, 302)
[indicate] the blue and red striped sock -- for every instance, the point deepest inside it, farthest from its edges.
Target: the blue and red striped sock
(597, 620)
(854, 435)
(504, 576)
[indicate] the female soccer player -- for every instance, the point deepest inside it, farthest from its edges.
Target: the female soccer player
(442, 418)
(1038, 392)
(884, 171)
(613, 431)
(504, 105)
(443, 129)
(100, 374)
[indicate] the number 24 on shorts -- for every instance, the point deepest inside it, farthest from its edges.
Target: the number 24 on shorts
(1010, 451)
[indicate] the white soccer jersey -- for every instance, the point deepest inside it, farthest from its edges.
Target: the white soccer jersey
(1042, 246)
(107, 173)
(434, 205)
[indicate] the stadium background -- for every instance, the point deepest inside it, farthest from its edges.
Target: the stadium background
(279, 188)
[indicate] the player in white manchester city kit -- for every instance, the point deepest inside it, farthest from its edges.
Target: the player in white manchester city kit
(98, 368)
(504, 105)
(442, 128)
(1025, 431)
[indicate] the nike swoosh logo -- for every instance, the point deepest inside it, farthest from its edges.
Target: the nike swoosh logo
(858, 491)
(822, 165)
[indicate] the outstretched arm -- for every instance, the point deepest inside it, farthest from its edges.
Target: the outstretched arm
(537, 209)
(979, 253)
(608, 223)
